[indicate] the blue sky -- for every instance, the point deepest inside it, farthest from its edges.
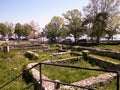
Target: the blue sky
(41, 11)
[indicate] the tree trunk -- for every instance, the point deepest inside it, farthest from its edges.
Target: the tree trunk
(98, 40)
(75, 38)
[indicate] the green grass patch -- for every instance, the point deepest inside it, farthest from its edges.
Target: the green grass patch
(43, 56)
(107, 58)
(114, 47)
(11, 65)
(70, 75)
(111, 86)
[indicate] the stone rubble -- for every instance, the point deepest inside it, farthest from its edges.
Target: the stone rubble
(101, 80)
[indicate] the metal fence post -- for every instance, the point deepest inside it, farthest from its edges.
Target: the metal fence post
(40, 68)
(118, 77)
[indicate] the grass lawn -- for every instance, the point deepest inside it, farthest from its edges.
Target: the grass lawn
(112, 85)
(11, 65)
(115, 47)
(69, 75)
(107, 58)
(43, 56)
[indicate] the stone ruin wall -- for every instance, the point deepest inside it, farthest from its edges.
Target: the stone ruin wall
(100, 80)
(27, 47)
(103, 52)
(104, 63)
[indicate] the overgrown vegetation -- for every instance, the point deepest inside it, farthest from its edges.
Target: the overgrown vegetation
(11, 65)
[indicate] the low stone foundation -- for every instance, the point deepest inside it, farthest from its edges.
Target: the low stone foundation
(105, 52)
(67, 60)
(103, 63)
(60, 53)
(28, 47)
(100, 80)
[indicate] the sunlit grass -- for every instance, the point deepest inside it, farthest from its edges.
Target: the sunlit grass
(11, 65)
(44, 56)
(114, 47)
(69, 75)
(112, 85)
(107, 58)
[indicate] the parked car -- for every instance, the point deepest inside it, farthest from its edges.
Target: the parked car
(82, 41)
(67, 41)
(12, 39)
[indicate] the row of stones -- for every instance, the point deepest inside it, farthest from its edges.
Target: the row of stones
(26, 47)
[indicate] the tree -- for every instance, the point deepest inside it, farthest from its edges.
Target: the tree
(113, 27)
(10, 30)
(18, 30)
(74, 23)
(54, 29)
(99, 26)
(94, 8)
(35, 26)
(100, 6)
(27, 29)
(3, 29)
(35, 29)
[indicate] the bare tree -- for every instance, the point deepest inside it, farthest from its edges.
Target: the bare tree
(35, 26)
